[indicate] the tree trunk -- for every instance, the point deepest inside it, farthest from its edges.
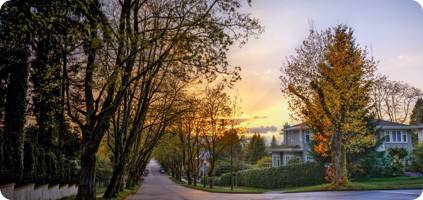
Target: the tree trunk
(86, 189)
(115, 182)
(339, 163)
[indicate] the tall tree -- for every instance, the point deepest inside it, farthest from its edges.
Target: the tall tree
(273, 143)
(125, 42)
(256, 148)
(417, 113)
(216, 110)
(328, 83)
(15, 30)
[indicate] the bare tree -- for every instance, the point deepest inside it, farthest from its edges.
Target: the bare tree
(393, 100)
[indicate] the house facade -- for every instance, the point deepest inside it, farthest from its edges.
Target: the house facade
(297, 139)
(420, 133)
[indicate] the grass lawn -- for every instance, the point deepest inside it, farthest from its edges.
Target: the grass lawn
(368, 184)
(223, 189)
(121, 195)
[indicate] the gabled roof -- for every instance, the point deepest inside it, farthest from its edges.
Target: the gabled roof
(382, 124)
(379, 122)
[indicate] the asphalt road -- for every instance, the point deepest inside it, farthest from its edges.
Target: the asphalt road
(158, 187)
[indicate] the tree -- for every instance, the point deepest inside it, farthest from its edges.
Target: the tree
(392, 100)
(216, 110)
(328, 84)
(15, 34)
(144, 38)
(416, 118)
(256, 148)
(273, 144)
(417, 113)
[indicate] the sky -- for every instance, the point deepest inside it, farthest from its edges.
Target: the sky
(392, 30)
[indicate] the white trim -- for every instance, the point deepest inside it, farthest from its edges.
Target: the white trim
(393, 137)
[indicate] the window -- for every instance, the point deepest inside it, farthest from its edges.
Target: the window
(387, 137)
(307, 135)
(395, 136)
(404, 137)
(276, 160)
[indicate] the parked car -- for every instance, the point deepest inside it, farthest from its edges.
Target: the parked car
(162, 170)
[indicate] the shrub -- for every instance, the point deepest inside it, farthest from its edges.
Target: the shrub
(280, 177)
(417, 159)
(294, 161)
(225, 167)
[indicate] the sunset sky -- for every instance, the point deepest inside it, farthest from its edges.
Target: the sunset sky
(391, 29)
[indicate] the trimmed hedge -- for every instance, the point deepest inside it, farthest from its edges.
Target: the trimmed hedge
(279, 177)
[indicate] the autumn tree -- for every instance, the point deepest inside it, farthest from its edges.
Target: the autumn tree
(328, 82)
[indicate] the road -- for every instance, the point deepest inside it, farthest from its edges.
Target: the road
(158, 187)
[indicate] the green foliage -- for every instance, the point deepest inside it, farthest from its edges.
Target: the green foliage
(256, 149)
(417, 159)
(280, 177)
(225, 167)
(295, 161)
(398, 153)
(379, 164)
(417, 113)
(274, 143)
(103, 171)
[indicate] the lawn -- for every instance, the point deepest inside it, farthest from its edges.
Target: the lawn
(368, 184)
(100, 191)
(121, 195)
(223, 189)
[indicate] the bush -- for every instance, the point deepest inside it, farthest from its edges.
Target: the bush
(280, 177)
(294, 161)
(377, 164)
(225, 167)
(417, 159)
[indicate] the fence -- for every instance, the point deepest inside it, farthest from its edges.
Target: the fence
(32, 192)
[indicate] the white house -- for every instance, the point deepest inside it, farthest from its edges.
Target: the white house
(297, 138)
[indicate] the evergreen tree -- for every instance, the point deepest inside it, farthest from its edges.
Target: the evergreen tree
(256, 149)
(273, 144)
(417, 113)
(14, 39)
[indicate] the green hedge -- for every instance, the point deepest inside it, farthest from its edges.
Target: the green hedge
(279, 177)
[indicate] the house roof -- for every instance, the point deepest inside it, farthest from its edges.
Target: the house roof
(286, 148)
(294, 127)
(383, 124)
(379, 122)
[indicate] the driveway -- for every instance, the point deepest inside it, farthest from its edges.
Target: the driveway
(158, 187)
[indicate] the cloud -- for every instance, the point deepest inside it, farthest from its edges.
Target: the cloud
(260, 117)
(2, 2)
(262, 129)
(420, 2)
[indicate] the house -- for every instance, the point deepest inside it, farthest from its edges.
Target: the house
(420, 133)
(297, 138)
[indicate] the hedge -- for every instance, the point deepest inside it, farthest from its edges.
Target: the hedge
(278, 177)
